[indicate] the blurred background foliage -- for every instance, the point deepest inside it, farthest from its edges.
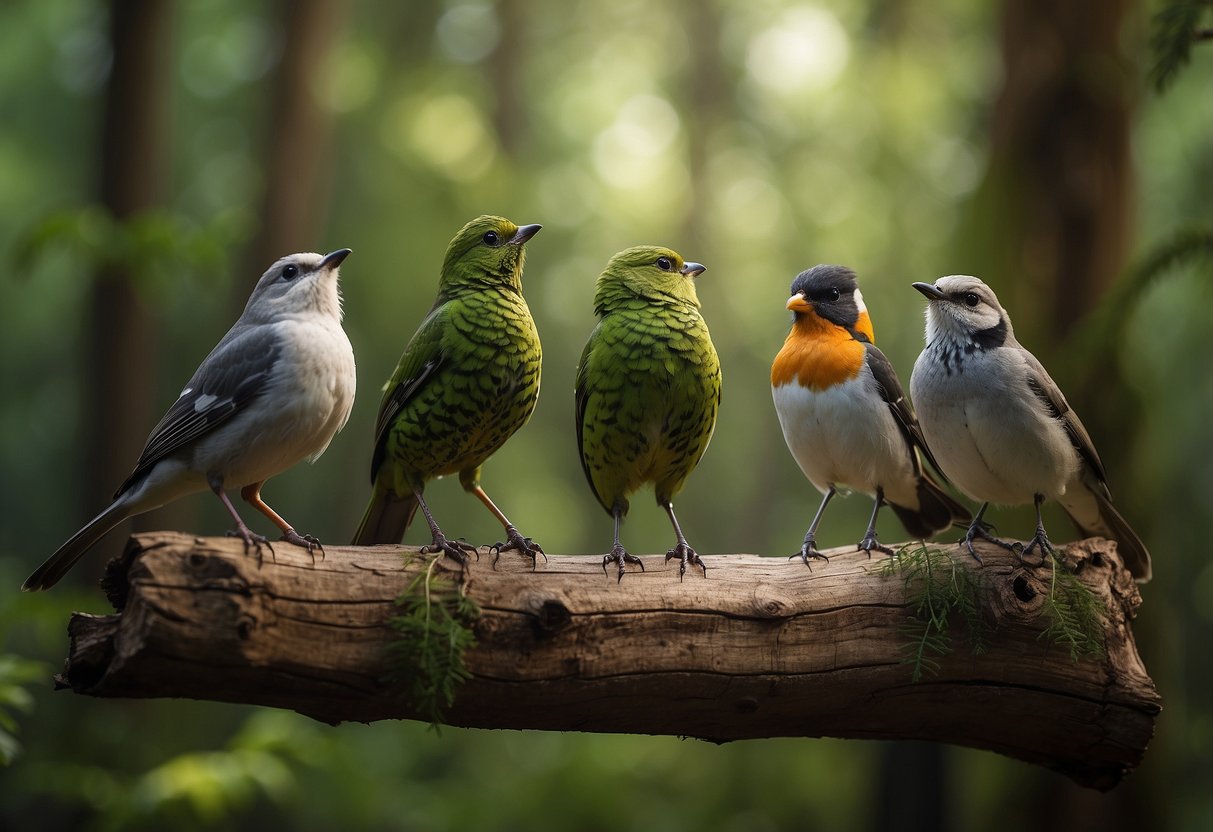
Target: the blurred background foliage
(155, 157)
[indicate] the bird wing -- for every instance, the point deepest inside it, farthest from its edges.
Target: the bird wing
(895, 398)
(1050, 395)
(236, 372)
(421, 359)
(582, 397)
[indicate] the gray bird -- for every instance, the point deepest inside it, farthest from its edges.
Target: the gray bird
(999, 426)
(274, 391)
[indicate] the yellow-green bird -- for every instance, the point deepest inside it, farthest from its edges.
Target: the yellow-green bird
(468, 379)
(648, 389)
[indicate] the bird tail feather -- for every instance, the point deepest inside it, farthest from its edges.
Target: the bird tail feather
(936, 511)
(386, 519)
(65, 557)
(1113, 525)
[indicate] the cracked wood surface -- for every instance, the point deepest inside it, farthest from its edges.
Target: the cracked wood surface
(760, 648)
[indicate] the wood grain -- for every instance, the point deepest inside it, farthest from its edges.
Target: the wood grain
(760, 648)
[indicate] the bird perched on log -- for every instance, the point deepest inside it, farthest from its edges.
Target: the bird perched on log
(648, 389)
(467, 381)
(844, 415)
(275, 390)
(1000, 426)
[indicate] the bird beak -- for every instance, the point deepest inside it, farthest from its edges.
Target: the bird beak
(693, 269)
(333, 259)
(524, 233)
(930, 291)
(798, 303)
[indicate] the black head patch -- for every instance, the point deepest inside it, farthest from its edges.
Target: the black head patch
(831, 290)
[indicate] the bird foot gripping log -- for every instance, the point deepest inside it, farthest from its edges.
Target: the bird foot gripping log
(763, 648)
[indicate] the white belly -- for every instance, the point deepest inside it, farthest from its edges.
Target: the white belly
(295, 418)
(846, 437)
(989, 433)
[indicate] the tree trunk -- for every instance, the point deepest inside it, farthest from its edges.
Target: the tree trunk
(119, 389)
(298, 133)
(760, 648)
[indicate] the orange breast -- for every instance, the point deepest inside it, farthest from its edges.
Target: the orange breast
(818, 354)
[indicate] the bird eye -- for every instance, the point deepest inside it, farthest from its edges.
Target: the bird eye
(832, 294)
(290, 271)
(490, 238)
(665, 264)
(971, 300)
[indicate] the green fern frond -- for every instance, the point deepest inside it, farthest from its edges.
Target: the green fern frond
(1176, 28)
(1075, 613)
(434, 630)
(937, 588)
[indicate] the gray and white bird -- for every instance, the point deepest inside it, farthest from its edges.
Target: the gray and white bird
(274, 391)
(1000, 427)
(844, 415)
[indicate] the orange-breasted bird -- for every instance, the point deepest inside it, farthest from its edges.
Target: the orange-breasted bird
(844, 415)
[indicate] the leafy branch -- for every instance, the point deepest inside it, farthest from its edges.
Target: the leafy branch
(434, 631)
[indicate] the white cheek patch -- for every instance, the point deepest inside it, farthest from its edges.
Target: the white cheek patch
(203, 402)
(859, 300)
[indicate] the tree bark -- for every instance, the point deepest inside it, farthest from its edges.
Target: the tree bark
(120, 346)
(760, 648)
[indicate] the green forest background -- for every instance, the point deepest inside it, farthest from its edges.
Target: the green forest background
(156, 157)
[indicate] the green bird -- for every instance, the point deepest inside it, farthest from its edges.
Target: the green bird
(468, 379)
(648, 389)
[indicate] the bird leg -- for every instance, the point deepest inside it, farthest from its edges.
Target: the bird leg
(1040, 539)
(682, 549)
(809, 548)
(241, 531)
(980, 528)
(618, 554)
(252, 496)
(513, 538)
(869, 541)
(454, 549)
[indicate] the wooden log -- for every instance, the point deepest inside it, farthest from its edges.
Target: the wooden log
(761, 647)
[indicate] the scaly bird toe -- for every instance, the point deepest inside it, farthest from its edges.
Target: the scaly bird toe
(685, 555)
(305, 541)
(870, 542)
(454, 549)
(980, 529)
(808, 552)
(620, 557)
(1041, 541)
(514, 541)
(256, 541)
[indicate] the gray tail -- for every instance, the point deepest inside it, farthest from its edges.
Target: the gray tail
(386, 519)
(936, 511)
(1111, 524)
(65, 557)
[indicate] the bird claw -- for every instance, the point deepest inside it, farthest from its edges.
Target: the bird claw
(685, 554)
(981, 529)
(516, 542)
(255, 540)
(454, 549)
(808, 552)
(870, 542)
(1039, 540)
(621, 557)
(305, 541)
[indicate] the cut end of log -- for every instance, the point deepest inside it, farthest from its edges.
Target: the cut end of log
(760, 648)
